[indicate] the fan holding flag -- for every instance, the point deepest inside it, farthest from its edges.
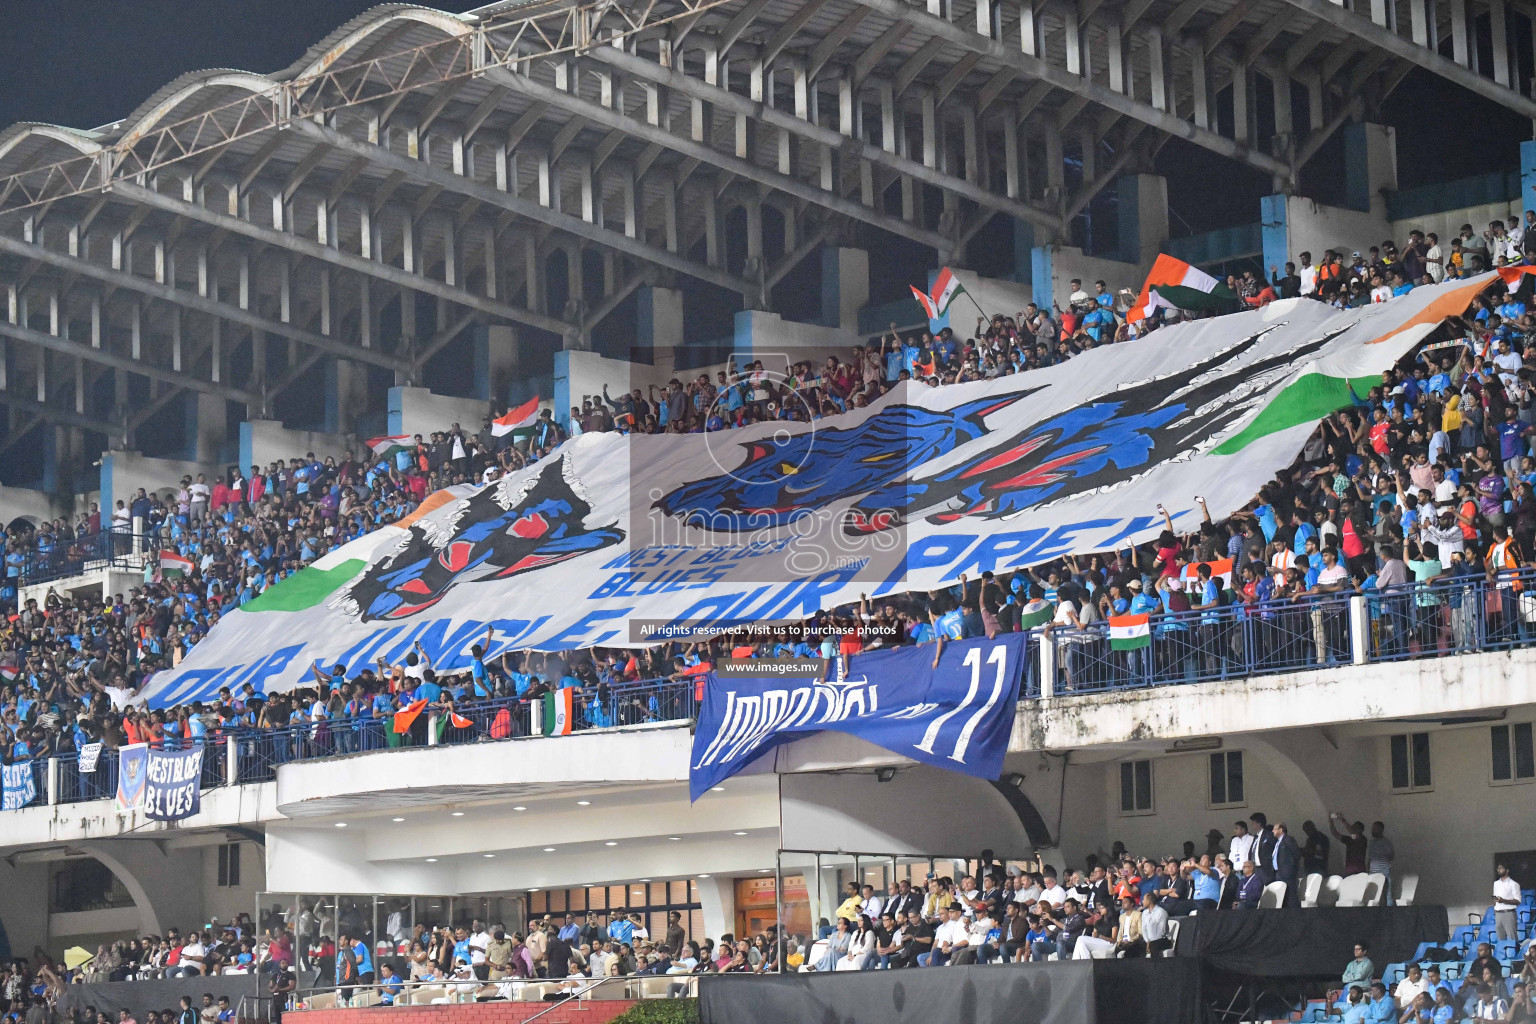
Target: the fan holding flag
(946, 288)
(518, 422)
(1174, 284)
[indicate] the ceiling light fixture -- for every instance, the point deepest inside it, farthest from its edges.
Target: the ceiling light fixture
(703, 876)
(431, 860)
(583, 803)
(719, 789)
(519, 808)
(549, 849)
(487, 855)
(458, 814)
(610, 843)
(741, 833)
(397, 819)
(675, 839)
(341, 824)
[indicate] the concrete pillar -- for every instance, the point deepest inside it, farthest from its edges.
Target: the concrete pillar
(346, 385)
(844, 286)
(61, 458)
(206, 426)
(1528, 176)
(658, 321)
(1143, 202)
(1275, 231)
(1024, 241)
(1042, 274)
(495, 350)
(1370, 165)
(718, 899)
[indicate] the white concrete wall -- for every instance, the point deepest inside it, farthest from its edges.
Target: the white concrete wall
(921, 810)
(39, 506)
(224, 902)
(24, 905)
(266, 441)
(123, 473)
(1447, 223)
(419, 411)
(1315, 227)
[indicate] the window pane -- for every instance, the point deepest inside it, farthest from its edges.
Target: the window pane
(597, 899)
(1399, 762)
(577, 900)
(677, 892)
(1525, 757)
(1127, 787)
(557, 902)
(618, 897)
(234, 864)
(1499, 741)
(1421, 759)
(1218, 777)
(1143, 785)
(658, 893)
(1235, 777)
(538, 903)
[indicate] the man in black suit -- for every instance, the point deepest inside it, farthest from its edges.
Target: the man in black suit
(1287, 864)
(1263, 847)
(906, 901)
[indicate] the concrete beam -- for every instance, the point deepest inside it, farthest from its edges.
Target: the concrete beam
(1385, 39)
(849, 146)
(193, 301)
(1038, 68)
(105, 358)
(527, 208)
(288, 242)
(742, 168)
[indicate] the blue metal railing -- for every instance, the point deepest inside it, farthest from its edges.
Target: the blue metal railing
(86, 552)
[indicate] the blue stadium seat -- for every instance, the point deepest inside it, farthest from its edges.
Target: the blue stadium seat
(1504, 949)
(1464, 936)
(1453, 971)
(1393, 974)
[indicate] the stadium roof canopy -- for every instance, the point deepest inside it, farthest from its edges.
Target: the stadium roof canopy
(449, 156)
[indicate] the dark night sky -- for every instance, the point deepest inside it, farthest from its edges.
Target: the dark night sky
(85, 63)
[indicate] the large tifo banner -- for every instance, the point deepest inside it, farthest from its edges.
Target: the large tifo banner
(952, 712)
(165, 784)
(611, 539)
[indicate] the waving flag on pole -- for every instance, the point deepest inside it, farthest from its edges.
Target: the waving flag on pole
(173, 565)
(1175, 284)
(386, 447)
(406, 716)
(1221, 572)
(517, 422)
(1513, 276)
(945, 287)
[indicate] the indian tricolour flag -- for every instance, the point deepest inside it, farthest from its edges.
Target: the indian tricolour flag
(386, 447)
(556, 715)
(1221, 571)
(1128, 632)
(936, 302)
(1039, 617)
(173, 565)
(1175, 284)
(517, 422)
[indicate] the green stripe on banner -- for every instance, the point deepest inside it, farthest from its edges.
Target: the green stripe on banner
(1308, 399)
(304, 589)
(1181, 297)
(1130, 643)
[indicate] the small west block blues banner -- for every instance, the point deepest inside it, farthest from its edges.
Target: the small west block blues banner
(956, 714)
(173, 785)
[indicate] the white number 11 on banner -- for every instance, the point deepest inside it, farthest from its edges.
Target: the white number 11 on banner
(998, 657)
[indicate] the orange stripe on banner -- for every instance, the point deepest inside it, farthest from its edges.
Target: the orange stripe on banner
(431, 503)
(1452, 303)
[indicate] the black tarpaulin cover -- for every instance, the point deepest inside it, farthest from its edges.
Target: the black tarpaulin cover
(1311, 941)
(1065, 992)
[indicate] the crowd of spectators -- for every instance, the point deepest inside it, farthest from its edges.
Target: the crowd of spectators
(1427, 479)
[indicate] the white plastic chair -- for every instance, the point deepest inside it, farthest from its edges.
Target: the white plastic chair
(1375, 890)
(1173, 937)
(1329, 897)
(1273, 897)
(1352, 890)
(1311, 889)
(1408, 890)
